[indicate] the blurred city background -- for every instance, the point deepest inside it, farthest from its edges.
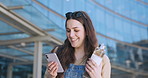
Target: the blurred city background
(31, 28)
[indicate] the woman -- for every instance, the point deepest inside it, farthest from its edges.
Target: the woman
(77, 49)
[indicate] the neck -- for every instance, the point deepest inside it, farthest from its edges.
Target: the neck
(79, 53)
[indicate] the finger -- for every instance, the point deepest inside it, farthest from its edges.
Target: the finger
(49, 64)
(89, 63)
(89, 68)
(100, 67)
(52, 65)
(93, 62)
(53, 69)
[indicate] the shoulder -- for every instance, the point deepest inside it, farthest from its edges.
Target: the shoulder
(106, 60)
(106, 67)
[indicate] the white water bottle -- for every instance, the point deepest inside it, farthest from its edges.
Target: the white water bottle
(98, 54)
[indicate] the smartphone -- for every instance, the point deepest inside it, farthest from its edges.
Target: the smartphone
(53, 57)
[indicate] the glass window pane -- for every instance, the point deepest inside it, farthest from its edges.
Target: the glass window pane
(13, 36)
(68, 5)
(135, 33)
(118, 29)
(110, 25)
(5, 28)
(127, 32)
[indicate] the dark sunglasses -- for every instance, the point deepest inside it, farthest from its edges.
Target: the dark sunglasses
(70, 15)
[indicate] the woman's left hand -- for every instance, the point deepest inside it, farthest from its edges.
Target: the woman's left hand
(93, 69)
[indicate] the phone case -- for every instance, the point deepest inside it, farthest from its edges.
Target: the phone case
(53, 57)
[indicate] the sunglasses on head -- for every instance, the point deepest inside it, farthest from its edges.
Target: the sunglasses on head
(70, 15)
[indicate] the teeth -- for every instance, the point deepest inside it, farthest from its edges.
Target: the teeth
(73, 39)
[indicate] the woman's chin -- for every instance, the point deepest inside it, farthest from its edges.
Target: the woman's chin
(74, 45)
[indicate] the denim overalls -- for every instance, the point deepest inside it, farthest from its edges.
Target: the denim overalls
(75, 71)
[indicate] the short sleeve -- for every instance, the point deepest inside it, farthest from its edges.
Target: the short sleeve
(106, 67)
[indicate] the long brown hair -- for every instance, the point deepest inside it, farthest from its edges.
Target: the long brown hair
(65, 52)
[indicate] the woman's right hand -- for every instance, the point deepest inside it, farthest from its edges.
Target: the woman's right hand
(52, 69)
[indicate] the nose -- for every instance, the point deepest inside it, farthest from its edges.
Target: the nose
(71, 34)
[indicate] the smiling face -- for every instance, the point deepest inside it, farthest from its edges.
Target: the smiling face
(75, 33)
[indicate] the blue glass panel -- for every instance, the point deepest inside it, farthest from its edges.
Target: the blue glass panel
(93, 13)
(118, 29)
(28, 57)
(126, 10)
(111, 50)
(26, 46)
(12, 52)
(29, 48)
(111, 43)
(135, 9)
(29, 1)
(101, 40)
(35, 17)
(90, 9)
(109, 4)
(143, 33)
(56, 5)
(59, 33)
(135, 33)
(58, 20)
(47, 49)
(79, 5)
(131, 10)
(121, 7)
(5, 28)
(14, 2)
(68, 5)
(13, 36)
(120, 54)
(145, 1)
(100, 23)
(45, 2)
(127, 32)
(142, 14)
(116, 6)
(138, 12)
(41, 9)
(97, 22)
(101, 1)
(110, 27)
(145, 16)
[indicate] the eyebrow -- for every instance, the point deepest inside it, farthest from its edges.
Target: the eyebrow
(72, 28)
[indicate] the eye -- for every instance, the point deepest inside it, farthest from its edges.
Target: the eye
(76, 30)
(67, 30)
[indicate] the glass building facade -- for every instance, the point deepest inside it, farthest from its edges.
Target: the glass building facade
(32, 27)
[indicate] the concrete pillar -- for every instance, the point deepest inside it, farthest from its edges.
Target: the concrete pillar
(9, 71)
(37, 64)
